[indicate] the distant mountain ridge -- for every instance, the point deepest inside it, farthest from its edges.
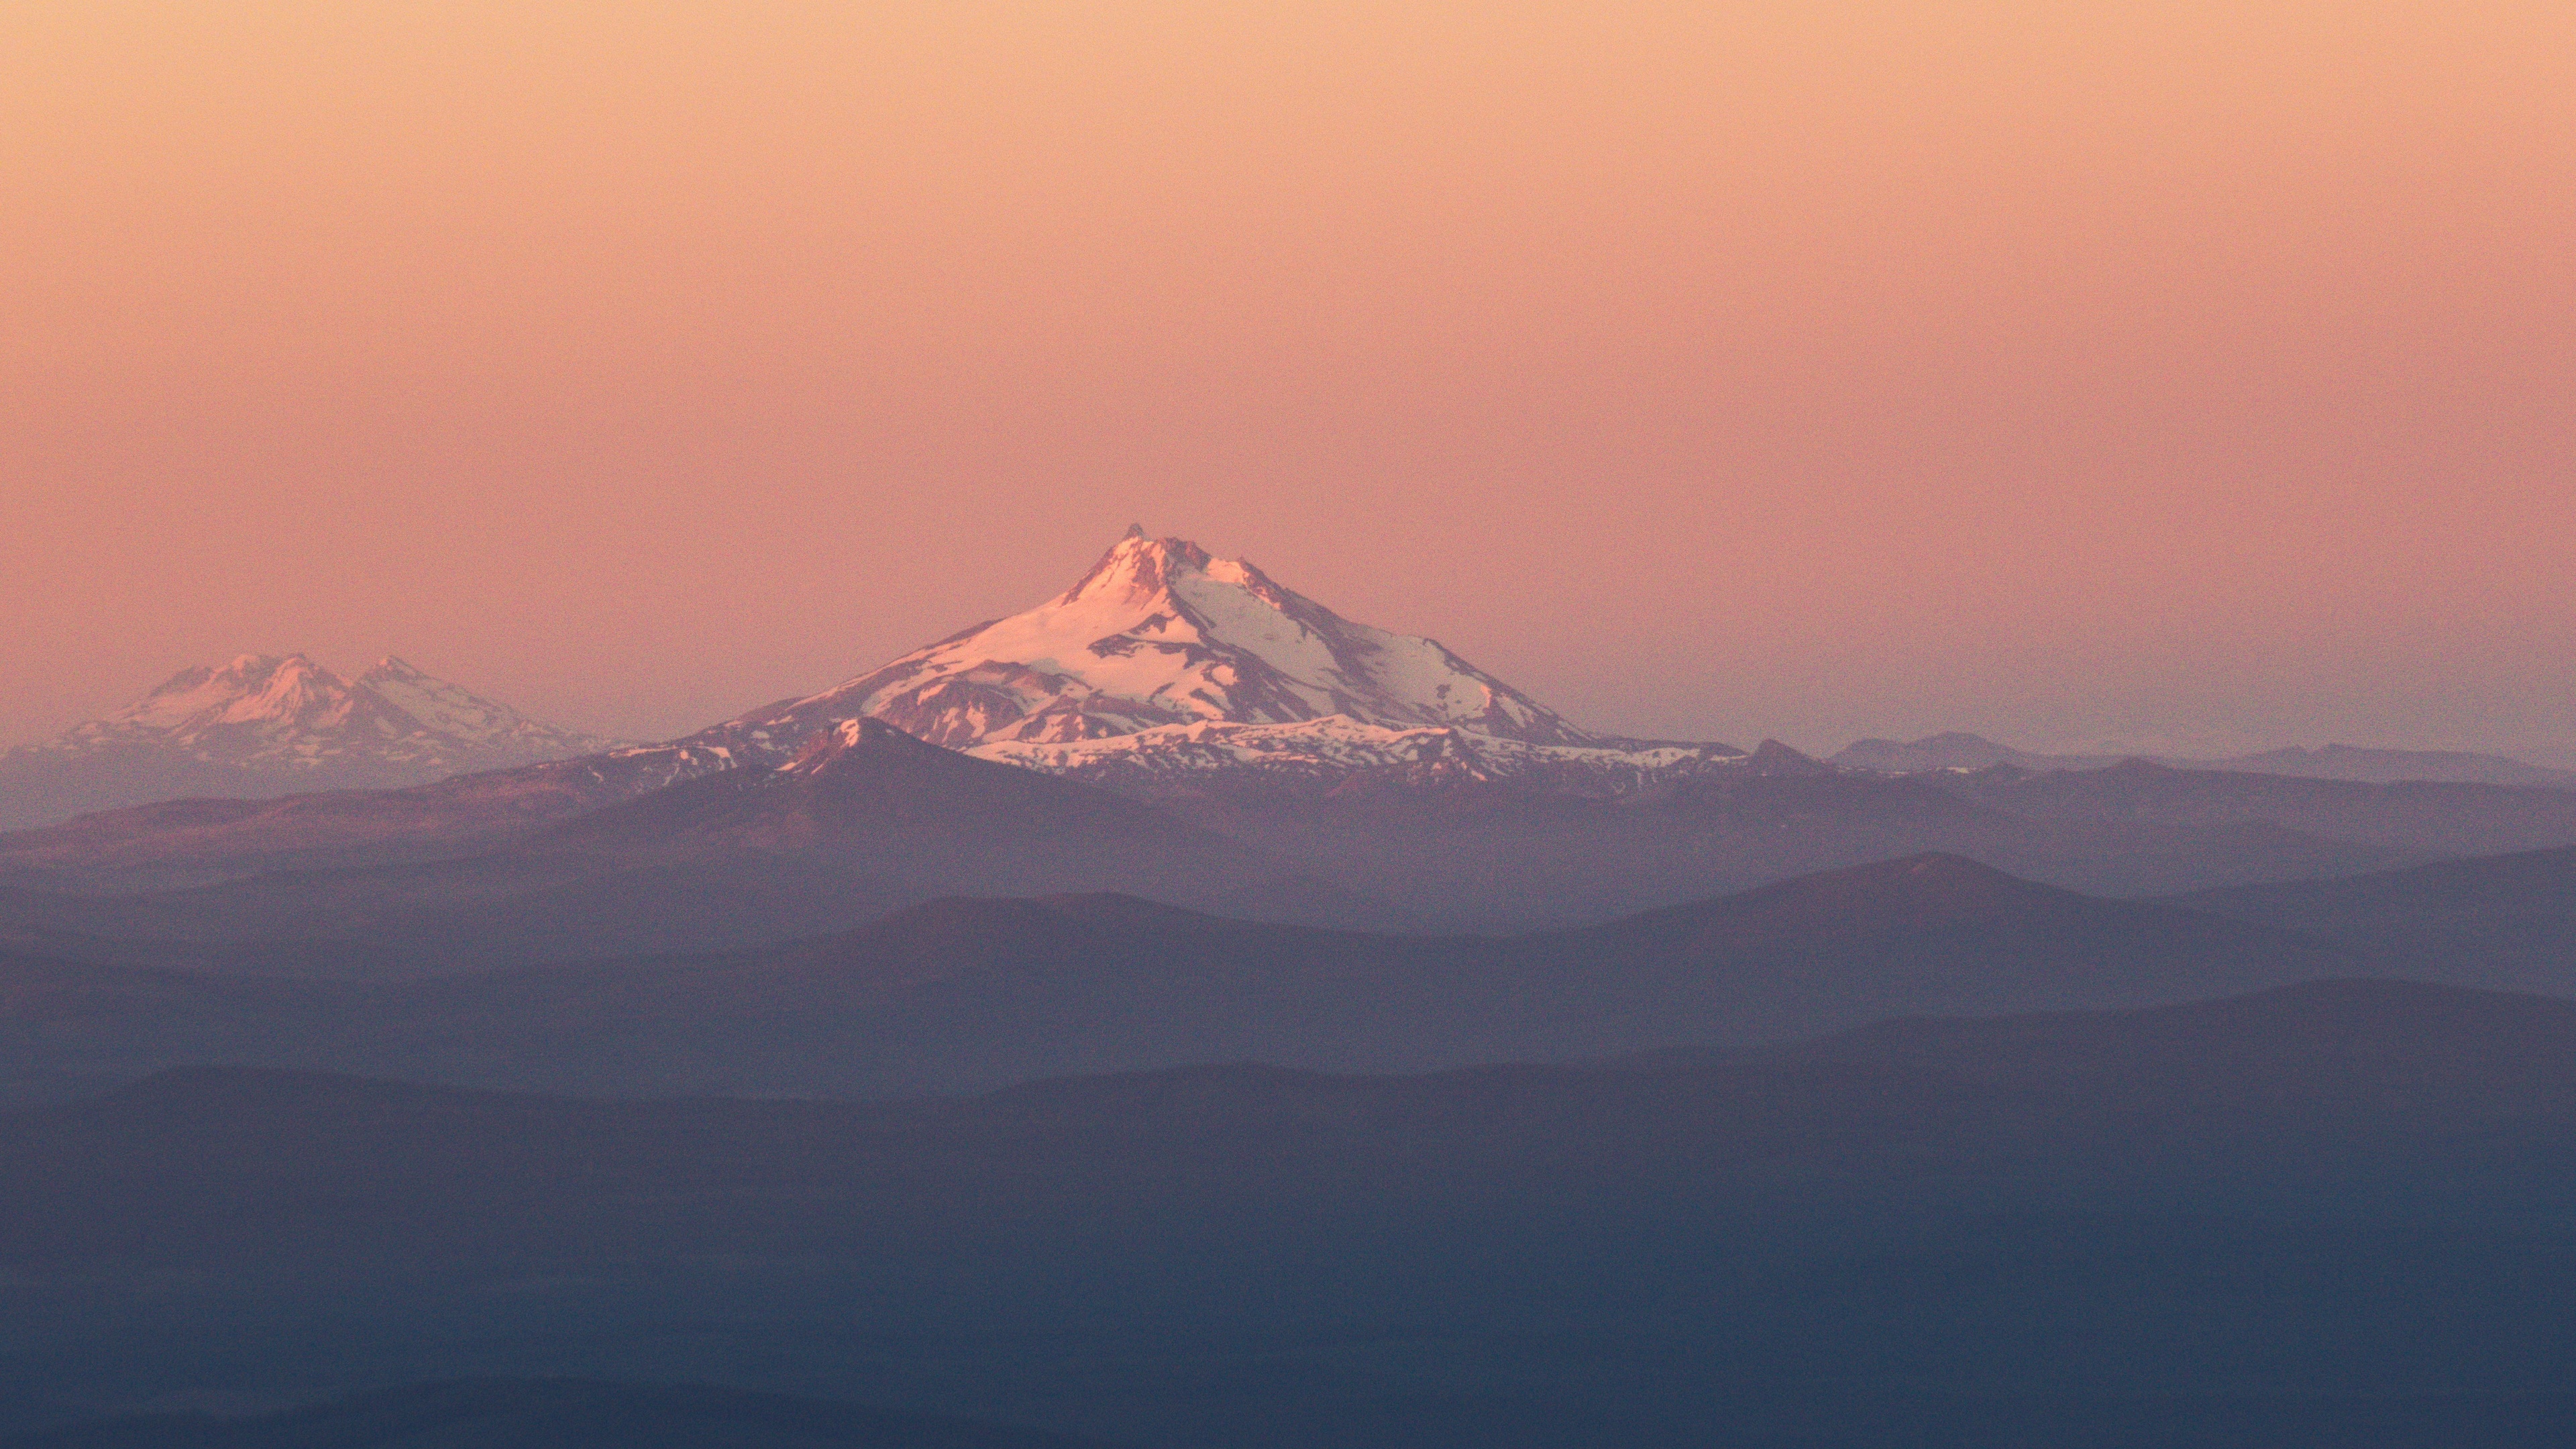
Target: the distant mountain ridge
(2352, 762)
(268, 724)
(1959, 750)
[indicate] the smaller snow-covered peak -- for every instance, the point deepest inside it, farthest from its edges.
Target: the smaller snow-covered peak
(288, 712)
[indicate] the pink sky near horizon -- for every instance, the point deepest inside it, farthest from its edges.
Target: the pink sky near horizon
(2168, 374)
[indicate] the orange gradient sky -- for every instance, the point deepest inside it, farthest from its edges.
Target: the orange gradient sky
(2163, 373)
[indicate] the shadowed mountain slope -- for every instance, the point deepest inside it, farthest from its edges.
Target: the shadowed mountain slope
(1476, 855)
(1938, 933)
(2506, 920)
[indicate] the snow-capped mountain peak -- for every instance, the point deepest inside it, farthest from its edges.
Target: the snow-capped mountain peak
(261, 724)
(292, 707)
(253, 689)
(1162, 632)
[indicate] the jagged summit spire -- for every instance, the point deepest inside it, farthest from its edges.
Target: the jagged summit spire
(1134, 530)
(1138, 567)
(253, 666)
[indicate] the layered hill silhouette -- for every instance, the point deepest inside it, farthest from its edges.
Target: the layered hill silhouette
(966, 994)
(1483, 855)
(1442, 852)
(2313, 1215)
(1465, 855)
(2509, 919)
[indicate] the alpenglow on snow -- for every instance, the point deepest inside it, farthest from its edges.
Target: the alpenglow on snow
(1164, 660)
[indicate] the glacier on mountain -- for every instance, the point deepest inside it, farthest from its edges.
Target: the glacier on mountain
(1165, 663)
